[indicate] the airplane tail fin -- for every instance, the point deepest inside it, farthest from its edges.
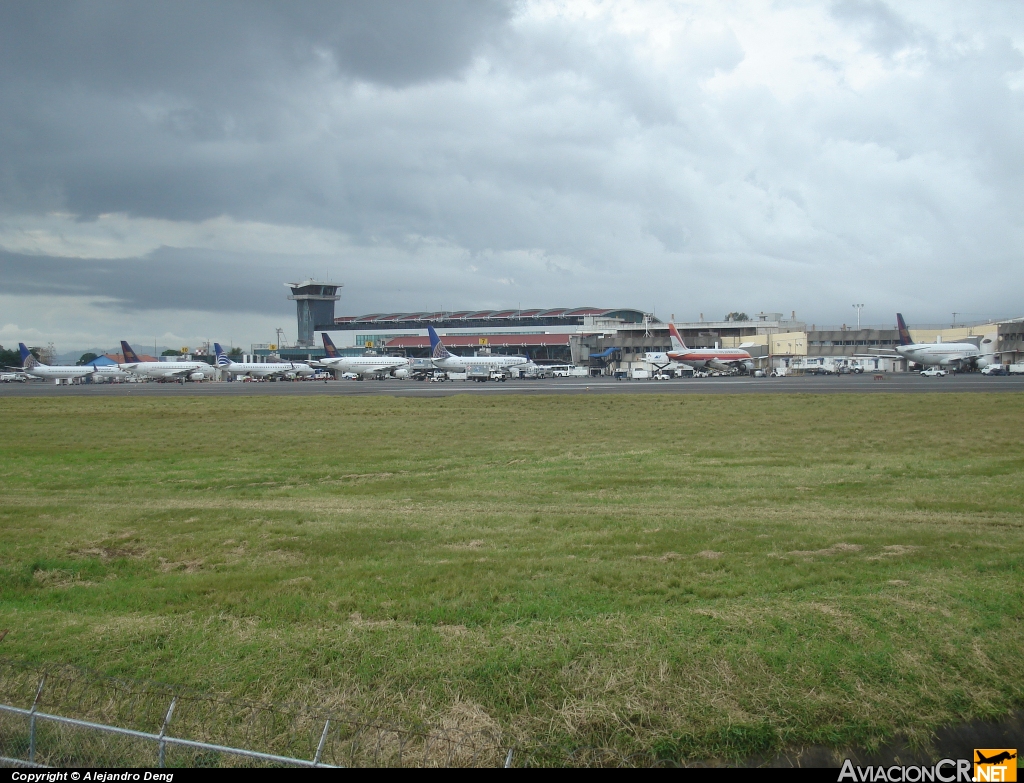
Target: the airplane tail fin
(130, 357)
(677, 340)
(437, 349)
(329, 347)
(222, 358)
(27, 359)
(903, 330)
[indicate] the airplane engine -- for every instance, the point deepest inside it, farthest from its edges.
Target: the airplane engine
(749, 366)
(403, 372)
(988, 353)
(197, 376)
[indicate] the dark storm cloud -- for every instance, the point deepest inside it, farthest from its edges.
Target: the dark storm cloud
(195, 45)
(159, 109)
(487, 153)
(165, 279)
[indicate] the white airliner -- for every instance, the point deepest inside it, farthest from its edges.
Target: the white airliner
(363, 366)
(934, 354)
(260, 369)
(443, 360)
(725, 359)
(58, 372)
(181, 371)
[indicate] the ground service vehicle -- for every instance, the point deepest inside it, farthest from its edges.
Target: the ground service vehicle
(932, 372)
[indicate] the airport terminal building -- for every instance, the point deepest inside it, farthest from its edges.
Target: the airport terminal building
(607, 340)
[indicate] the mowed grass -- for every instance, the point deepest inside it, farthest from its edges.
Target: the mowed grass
(701, 576)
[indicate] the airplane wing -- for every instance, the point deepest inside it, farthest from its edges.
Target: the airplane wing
(284, 368)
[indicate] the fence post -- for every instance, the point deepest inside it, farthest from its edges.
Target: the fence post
(323, 739)
(163, 729)
(32, 722)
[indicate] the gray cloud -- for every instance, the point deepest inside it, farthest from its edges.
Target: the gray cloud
(478, 154)
(166, 279)
(199, 47)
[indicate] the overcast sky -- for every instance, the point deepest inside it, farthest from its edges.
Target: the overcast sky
(165, 167)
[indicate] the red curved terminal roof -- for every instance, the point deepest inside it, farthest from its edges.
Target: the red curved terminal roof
(628, 314)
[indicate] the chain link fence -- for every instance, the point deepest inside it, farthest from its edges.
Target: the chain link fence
(60, 716)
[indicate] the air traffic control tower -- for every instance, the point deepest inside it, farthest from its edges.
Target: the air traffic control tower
(314, 305)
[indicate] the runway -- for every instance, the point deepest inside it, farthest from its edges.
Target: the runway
(909, 383)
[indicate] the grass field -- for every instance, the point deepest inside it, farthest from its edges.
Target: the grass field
(704, 576)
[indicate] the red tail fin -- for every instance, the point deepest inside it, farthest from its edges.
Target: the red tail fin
(677, 340)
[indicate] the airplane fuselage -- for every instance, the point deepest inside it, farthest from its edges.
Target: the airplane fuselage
(364, 365)
(462, 363)
(263, 369)
(939, 354)
(716, 358)
(165, 369)
(58, 372)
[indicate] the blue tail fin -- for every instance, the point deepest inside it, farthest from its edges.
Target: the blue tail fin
(27, 359)
(437, 349)
(903, 330)
(222, 358)
(329, 347)
(130, 357)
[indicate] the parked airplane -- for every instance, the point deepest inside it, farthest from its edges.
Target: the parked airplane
(168, 370)
(260, 369)
(934, 354)
(726, 359)
(363, 366)
(32, 366)
(443, 360)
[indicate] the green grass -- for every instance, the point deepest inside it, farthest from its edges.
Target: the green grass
(702, 576)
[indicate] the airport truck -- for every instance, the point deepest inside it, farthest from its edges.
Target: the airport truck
(1015, 369)
(478, 372)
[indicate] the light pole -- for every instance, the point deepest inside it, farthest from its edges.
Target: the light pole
(858, 307)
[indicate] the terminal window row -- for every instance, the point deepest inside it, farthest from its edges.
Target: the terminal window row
(826, 343)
